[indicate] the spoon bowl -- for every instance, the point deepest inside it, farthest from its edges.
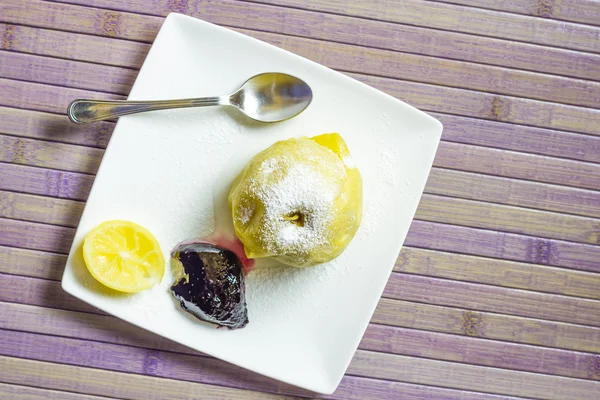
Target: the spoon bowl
(272, 97)
(267, 97)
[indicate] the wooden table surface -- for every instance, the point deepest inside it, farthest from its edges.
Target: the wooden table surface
(496, 293)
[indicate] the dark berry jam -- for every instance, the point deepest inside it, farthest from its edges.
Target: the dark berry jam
(212, 285)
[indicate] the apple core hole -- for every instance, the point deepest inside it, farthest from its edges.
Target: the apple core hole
(295, 218)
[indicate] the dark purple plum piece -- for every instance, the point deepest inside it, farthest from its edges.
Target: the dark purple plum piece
(212, 287)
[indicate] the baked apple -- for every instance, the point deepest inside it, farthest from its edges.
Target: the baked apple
(299, 201)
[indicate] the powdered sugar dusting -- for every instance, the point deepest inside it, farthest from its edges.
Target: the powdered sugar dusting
(287, 199)
(298, 209)
(385, 183)
(268, 166)
(387, 165)
(245, 212)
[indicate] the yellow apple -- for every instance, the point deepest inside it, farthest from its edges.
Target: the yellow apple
(299, 201)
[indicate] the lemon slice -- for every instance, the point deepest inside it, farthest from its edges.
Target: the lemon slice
(123, 256)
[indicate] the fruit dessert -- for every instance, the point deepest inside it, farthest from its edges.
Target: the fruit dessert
(210, 284)
(299, 201)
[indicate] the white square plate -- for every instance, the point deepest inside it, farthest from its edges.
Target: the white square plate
(163, 169)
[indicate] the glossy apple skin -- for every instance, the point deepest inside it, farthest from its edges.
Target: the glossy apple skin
(211, 285)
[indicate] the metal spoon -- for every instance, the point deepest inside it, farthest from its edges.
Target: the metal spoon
(268, 97)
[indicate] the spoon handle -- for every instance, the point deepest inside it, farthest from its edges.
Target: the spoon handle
(83, 110)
